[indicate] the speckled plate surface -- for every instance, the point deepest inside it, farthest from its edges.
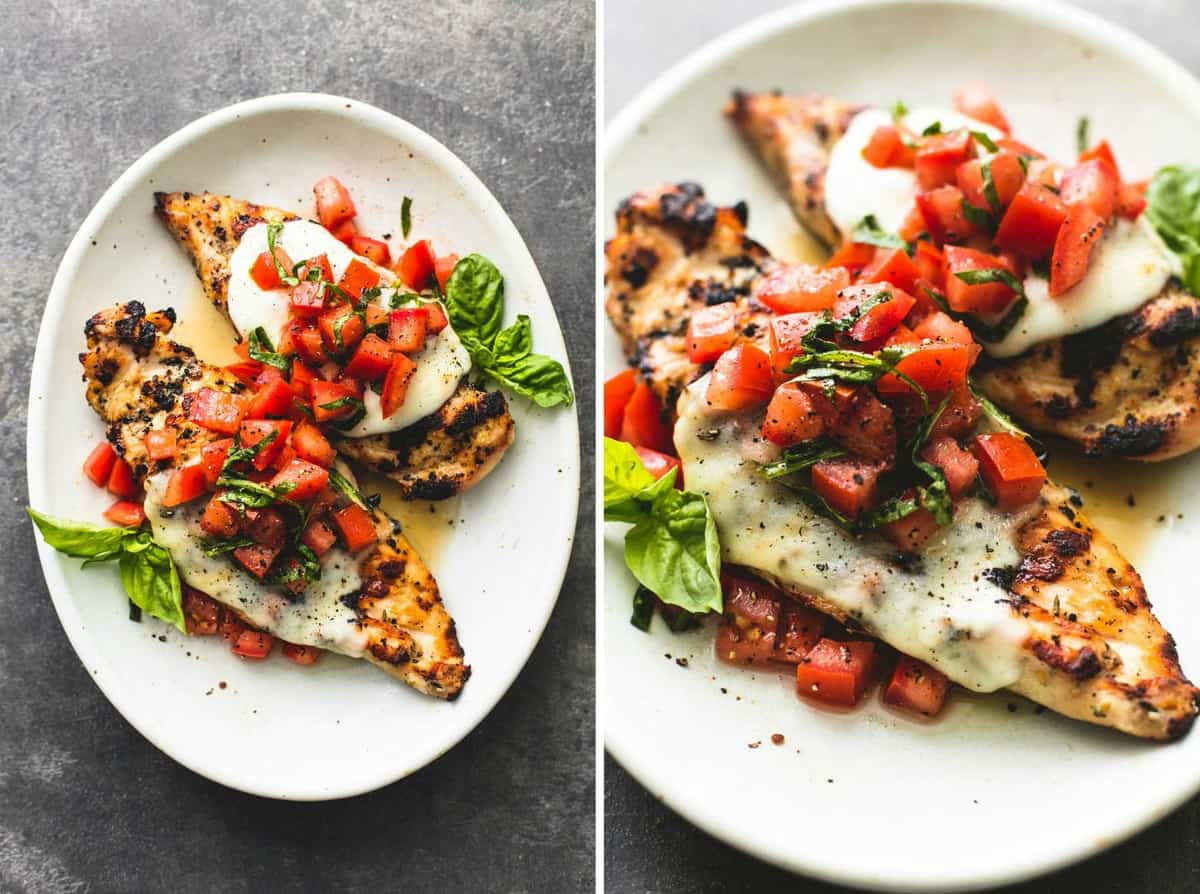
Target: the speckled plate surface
(272, 728)
(993, 791)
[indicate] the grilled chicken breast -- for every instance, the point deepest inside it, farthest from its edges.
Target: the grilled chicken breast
(137, 378)
(1088, 644)
(1129, 388)
(442, 455)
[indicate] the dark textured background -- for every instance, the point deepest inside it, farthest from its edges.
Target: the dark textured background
(648, 848)
(86, 804)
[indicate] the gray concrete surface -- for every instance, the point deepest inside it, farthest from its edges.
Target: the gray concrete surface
(648, 848)
(86, 804)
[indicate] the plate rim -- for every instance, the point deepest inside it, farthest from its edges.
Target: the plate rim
(623, 128)
(478, 195)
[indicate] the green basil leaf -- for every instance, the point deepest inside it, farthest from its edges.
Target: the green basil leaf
(537, 377)
(989, 186)
(627, 484)
(985, 141)
(643, 609)
(152, 583)
(899, 110)
(405, 216)
(513, 343)
(80, 540)
(1173, 208)
(984, 332)
(221, 547)
(1082, 140)
(263, 351)
(675, 552)
(802, 456)
(868, 232)
(274, 228)
(475, 300)
(932, 129)
(978, 216)
(342, 485)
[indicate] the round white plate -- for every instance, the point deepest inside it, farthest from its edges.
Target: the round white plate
(982, 796)
(272, 728)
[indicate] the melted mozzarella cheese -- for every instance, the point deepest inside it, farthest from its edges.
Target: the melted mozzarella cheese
(1128, 267)
(943, 611)
(316, 617)
(441, 364)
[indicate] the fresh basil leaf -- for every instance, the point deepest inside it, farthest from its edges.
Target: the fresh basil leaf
(899, 110)
(990, 275)
(342, 485)
(932, 129)
(405, 216)
(985, 141)
(274, 228)
(643, 609)
(627, 484)
(221, 547)
(475, 300)
(79, 540)
(1002, 421)
(537, 377)
(263, 351)
(674, 552)
(977, 216)
(989, 186)
(514, 342)
(868, 232)
(802, 456)
(305, 566)
(1082, 139)
(935, 496)
(251, 494)
(1173, 208)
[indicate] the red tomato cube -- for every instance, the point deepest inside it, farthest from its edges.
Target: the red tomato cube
(406, 329)
(792, 416)
(917, 687)
(334, 205)
(99, 464)
(741, 378)
(711, 332)
(792, 288)
(1010, 469)
(416, 265)
(185, 484)
(836, 673)
(308, 479)
(1031, 223)
(356, 526)
(395, 384)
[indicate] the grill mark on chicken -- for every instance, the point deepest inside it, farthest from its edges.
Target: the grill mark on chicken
(1128, 388)
(445, 462)
(138, 378)
(1095, 651)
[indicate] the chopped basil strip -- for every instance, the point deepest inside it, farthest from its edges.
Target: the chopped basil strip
(274, 228)
(1004, 422)
(989, 186)
(406, 216)
(802, 456)
(985, 141)
(931, 130)
(263, 351)
(342, 485)
(978, 217)
(1082, 138)
(869, 232)
(990, 333)
(221, 547)
(899, 110)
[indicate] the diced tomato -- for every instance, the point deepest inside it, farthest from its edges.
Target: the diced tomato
(1008, 144)
(312, 445)
(326, 393)
(344, 232)
(217, 411)
(1032, 221)
(792, 288)
(371, 360)
(891, 265)
(734, 645)
(376, 316)
(929, 262)
(887, 149)
(857, 420)
(254, 644)
(939, 155)
(936, 366)
(212, 458)
(850, 486)
(357, 279)
(266, 527)
(945, 220)
(1079, 233)
(711, 332)
(185, 484)
(1094, 183)
(741, 378)
(318, 537)
(120, 480)
(356, 527)
(976, 100)
(308, 300)
(341, 330)
(939, 326)
(644, 422)
(787, 332)
(799, 632)
(220, 519)
(958, 465)
(318, 262)
(617, 392)
(658, 464)
(878, 321)
(1010, 469)
(910, 532)
(302, 379)
(406, 329)
(752, 612)
(229, 625)
(836, 673)
(1131, 200)
(443, 267)
(264, 272)
(99, 464)
(1103, 152)
(792, 416)
(200, 613)
(852, 256)
(979, 298)
(960, 416)
(301, 654)
(917, 686)
(334, 205)
(913, 225)
(245, 371)
(437, 319)
(126, 513)
(1007, 176)
(309, 479)
(373, 250)
(274, 398)
(395, 384)
(254, 431)
(417, 265)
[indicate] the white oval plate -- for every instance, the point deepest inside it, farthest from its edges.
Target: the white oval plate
(982, 796)
(272, 728)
